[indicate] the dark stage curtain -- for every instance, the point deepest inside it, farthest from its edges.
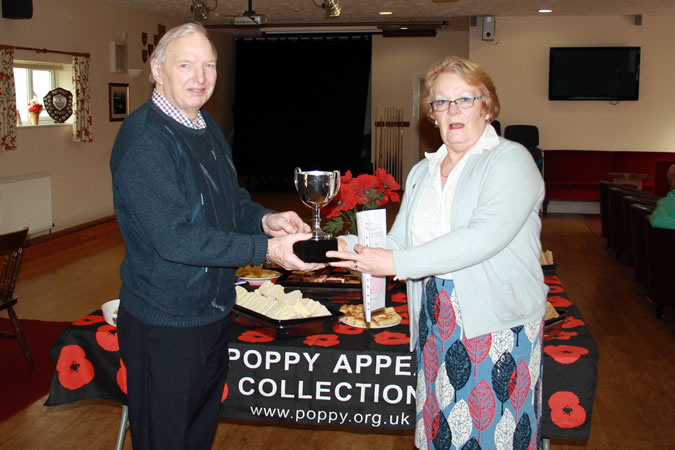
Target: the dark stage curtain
(300, 101)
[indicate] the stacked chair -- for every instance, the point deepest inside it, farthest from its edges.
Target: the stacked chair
(625, 213)
(660, 267)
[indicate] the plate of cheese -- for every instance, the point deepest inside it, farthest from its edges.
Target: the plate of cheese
(271, 304)
(354, 316)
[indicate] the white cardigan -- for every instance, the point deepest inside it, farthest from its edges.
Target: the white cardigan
(493, 249)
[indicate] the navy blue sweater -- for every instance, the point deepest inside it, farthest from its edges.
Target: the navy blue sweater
(186, 223)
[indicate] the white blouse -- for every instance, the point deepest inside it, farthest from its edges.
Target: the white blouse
(432, 215)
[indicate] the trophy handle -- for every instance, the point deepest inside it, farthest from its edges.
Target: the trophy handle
(337, 182)
(296, 171)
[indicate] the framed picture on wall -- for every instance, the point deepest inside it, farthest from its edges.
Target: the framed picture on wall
(118, 101)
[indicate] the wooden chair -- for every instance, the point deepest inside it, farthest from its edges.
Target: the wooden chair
(11, 251)
(661, 267)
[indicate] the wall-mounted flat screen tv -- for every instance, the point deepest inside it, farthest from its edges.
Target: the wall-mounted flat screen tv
(594, 73)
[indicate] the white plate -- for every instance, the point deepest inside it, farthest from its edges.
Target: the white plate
(110, 311)
(369, 327)
(259, 281)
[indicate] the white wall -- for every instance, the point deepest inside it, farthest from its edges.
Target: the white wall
(517, 60)
(518, 63)
(81, 182)
(397, 66)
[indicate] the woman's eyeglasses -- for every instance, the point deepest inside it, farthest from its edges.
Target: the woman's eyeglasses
(462, 103)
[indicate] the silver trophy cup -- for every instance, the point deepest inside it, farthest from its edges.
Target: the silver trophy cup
(316, 189)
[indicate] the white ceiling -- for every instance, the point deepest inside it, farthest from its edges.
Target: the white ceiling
(366, 11)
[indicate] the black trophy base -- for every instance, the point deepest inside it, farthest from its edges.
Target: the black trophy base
(315, 251)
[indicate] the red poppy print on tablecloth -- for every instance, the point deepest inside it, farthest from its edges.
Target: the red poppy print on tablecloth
(341, 328)
(258, 335)
(122, 377)
(558, 334)
(402, 311)
(552, 279)
(88, 320)
(566, 411)
(565, 354)
(226, 391)
(558, 302)
(573, 322)
(399, 297)
(73, 367)
(106, 337)
(555, 289)
(322, 340)
(391, 338)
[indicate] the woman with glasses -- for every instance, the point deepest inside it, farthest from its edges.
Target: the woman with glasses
(466, 240)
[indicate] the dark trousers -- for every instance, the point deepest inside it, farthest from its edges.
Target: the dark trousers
(175, 381)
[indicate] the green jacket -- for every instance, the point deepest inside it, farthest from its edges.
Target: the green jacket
(664, 214)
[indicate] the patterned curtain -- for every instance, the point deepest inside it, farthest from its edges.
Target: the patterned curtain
(82, 124)
(7, 101)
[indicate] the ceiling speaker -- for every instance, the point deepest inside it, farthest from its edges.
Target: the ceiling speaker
(17, 9)
(488, 28)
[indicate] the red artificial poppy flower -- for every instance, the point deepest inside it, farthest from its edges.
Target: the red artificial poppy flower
(399, 297)
(88, 320)
(342, 328)
(322, 340)
(74, 369)
(559, 302)
(363, 186)
(388, 185)
(258, 335)
(122, 377)
(345, 199)
(226, 390)
(106, 336)
(389, 338)
(566, 411)
(565, 354)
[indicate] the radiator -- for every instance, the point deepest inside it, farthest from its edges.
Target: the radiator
(26, 201)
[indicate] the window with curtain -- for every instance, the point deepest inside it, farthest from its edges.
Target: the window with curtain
(301, 101)
(34, 80)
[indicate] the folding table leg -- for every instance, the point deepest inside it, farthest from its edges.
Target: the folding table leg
(124, 425)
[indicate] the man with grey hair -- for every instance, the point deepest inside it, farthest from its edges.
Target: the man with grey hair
(187, 226)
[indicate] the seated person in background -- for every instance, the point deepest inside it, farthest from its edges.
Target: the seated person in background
(664, 214)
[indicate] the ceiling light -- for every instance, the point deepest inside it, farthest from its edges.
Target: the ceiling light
(200, 9)
(385, 13)
(544, 11)
(333, 8)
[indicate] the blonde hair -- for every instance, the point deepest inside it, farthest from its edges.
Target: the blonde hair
(472, 74)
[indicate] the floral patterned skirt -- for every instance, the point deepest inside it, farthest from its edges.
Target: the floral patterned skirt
(475, 393)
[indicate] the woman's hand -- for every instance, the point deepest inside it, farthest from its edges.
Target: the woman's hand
(280, 251)
(281, 224)
(375, 261)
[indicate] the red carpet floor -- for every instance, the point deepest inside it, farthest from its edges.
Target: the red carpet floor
(20, 386)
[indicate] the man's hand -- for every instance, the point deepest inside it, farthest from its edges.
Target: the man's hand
(280, 251)
(284, 223)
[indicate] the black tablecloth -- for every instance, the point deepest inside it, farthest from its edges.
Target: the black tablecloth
(330, 373)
